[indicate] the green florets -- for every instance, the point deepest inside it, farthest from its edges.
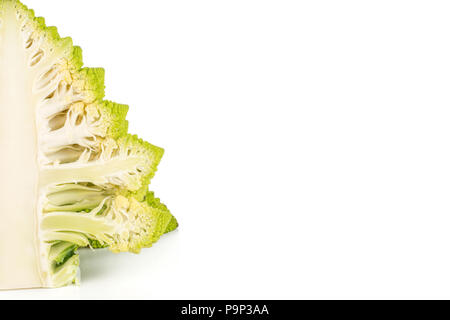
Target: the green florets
(117, 113)
(166, 222)
(133, 145)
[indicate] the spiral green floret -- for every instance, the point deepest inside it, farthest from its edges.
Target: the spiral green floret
(120, 223)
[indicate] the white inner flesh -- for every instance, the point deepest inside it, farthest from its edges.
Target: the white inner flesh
(19, 256)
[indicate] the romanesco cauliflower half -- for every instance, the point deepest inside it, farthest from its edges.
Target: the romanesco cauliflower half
(70, 174)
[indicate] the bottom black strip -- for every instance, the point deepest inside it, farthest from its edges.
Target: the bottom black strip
(228, 309)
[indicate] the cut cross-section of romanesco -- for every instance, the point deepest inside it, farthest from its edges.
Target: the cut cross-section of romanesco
(70, 174)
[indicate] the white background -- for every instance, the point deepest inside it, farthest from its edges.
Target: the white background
(307, 145)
